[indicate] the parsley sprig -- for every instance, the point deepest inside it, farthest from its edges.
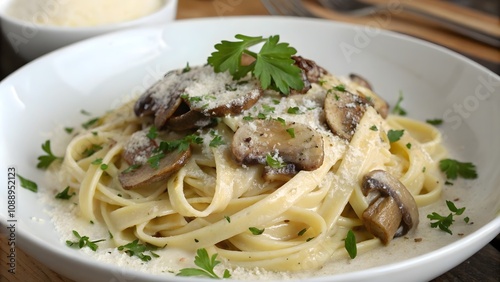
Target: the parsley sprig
(350, 244)
(45, 161)
(444, 222)
(136, 249)
(83, 241)
(453, 169)
(206, 266)
(273, 64)
(28, 184)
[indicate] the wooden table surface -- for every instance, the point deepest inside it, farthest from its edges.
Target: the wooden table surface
(483, 266)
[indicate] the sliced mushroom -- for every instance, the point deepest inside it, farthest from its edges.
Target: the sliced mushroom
(146, 175)
(393, 210)
(254, 141)
(189, 120)
(380, 105)
(360, 80)
(162, 99)
(203, 90)
(311, 73)
(138, 148)
(279, 174)
(343, 111)
(218, 95)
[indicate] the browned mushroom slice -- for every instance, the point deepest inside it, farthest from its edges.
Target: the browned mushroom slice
(360, 80)
(163, 99)
(393, 210)
(284, 173)
(146, 174)
(189, 120)
(254, 141)
(379, 103)
(343, 111)
(138, 148)
(218, 95)
(311, 73)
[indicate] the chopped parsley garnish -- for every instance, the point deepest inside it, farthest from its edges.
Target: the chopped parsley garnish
(302, 232)
(206, 266)
(256, 231)
(395, 135)
(217, 140)
(83, 241)
(273, 65)
(69, 130)
(340, 87)
(91, 150)
(434, 121)
(154, 160)
(291, 131)
(374, 128)
(187, 68)
(131, 168)
(84, 112)
(97, 161)
(45, 160)
(408, 145)
(104, 166)
(274, 163)
(153, 132)
(454, 168)
(398, 110)
(28, 184)
(268, 109)
(444, 222)
(293, 110)
(227, 218)
(138, 250)
(350, 244)
(64, 194)
(90, 123)
(281, 120)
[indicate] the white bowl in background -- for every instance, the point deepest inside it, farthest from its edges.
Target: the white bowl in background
(31, 41)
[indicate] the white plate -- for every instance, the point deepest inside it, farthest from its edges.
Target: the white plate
(95, 75)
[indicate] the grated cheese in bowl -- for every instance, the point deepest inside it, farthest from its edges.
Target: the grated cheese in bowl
(81, 13)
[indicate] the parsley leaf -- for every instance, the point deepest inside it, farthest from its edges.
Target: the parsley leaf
(398, 110)
(453, 169)
(273, 65)
(64, 194)
(291, 131)
(350, 244)
(83, 241)
(441, 222)
(136, 249)
(28, 184)
(434, 121)
(206, 266)
(274, 163)
(153, 132)
(395, 135)
(256, 231)
(45, 160)
(444, 222)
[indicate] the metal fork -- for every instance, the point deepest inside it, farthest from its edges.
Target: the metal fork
(351, 7)
(287, 8)
(359, 8)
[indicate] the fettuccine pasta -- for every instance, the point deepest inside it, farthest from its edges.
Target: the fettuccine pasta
(214, 201)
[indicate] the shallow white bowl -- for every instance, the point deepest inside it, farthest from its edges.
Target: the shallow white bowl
(31, 40)
(96, 75)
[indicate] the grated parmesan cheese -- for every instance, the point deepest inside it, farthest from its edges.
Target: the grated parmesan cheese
(80, 13)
